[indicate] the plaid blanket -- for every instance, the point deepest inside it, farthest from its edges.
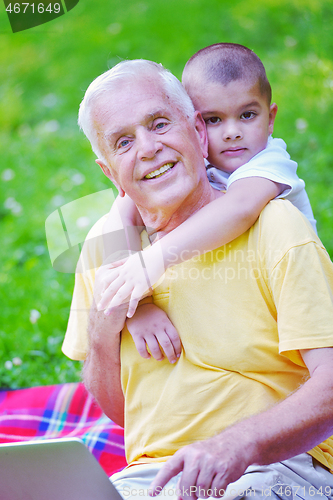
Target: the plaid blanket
(56, 411)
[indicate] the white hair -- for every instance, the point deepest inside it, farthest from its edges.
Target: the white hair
(126, 70)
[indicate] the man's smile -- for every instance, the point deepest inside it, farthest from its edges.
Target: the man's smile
(160, 171)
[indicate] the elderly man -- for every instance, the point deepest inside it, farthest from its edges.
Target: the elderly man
(249, 404)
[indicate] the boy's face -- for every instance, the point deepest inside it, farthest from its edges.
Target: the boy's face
(238, 119)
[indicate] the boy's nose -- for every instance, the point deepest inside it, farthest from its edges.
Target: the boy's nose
(148, 144)
(232, 132)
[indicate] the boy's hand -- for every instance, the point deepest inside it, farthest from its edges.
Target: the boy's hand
(151, 327)
(132, 280)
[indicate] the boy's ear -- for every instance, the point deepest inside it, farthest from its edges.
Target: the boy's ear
(106, 171)
(272, 114)
(200, 127)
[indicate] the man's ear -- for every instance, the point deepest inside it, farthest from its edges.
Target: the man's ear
(200, 127)
(106, 171)
(272, 114)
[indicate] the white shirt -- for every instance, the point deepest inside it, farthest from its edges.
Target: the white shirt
(272, 163)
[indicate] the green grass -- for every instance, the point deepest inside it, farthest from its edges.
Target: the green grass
(44, 73)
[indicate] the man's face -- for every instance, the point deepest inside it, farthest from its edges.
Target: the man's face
(238, 119)
(155, 154)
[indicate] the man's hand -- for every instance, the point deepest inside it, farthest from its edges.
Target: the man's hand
(293, 426)
(207, 467)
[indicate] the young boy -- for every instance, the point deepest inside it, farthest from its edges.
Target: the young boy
(228, 85)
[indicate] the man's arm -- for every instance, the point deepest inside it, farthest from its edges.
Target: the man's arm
(293, 426)
(101, 372)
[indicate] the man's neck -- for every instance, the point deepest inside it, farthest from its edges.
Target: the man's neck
(162, 220)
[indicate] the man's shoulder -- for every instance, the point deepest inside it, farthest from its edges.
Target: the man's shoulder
(97, 228)
(283, 209)
(281, 223)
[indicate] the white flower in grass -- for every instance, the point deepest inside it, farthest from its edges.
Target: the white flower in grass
(114, 29)
(78, 178)
(289, 41)
(34, 316)
(8, 175)
(58, 200)
(50, 100)
(14, 206)
(51, 126)
(8, 365)
(17, 361)
(39, 249)
(83, 222)
(301, 124)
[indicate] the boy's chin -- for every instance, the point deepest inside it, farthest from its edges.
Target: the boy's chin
(229, 168)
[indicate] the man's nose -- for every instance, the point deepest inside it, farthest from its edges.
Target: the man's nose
(232, 131)
(148, 144)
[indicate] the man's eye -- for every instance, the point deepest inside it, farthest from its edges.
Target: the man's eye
(123, 143)
(248, 115)
(160, 125)
(212, 120)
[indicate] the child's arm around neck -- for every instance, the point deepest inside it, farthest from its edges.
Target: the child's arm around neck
(219, 222)
(216, 224)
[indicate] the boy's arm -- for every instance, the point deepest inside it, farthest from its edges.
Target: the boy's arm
(120, 231)
(216, 224)
(219, 222)
(150, 326)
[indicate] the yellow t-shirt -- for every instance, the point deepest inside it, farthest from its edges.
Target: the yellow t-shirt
(243, 312)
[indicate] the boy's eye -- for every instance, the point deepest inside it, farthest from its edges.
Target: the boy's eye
(248, 115)
(212, 120)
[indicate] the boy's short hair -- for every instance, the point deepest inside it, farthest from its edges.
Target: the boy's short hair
(224, 63)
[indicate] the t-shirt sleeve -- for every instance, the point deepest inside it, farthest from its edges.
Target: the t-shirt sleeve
(301, 284)
(304, 299)
(75, 344)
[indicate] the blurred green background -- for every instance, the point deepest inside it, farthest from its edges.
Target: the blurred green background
(47, 162)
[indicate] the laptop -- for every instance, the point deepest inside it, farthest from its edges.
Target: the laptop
(52, 469)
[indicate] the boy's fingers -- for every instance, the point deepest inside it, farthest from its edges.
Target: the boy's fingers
(121, 297)
(108, 292)
(141, 346)
(154, 348)
(133, 304)
(167, 346)
(116, 294)
(175, 340)
(137, 294)
(106, 279)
